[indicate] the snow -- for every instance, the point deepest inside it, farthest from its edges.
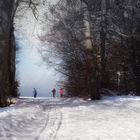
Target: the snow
(112, 118)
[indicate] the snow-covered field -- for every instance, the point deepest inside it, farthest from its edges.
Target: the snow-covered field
(113, 118)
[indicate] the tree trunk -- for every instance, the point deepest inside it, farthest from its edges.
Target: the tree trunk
(89, 46)
(7, 50)
(136, 77)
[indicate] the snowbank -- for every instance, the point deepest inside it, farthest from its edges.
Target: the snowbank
(112, 118)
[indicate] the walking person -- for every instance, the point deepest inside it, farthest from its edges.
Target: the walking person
(54, 92)
(35, 93)
(61, 92)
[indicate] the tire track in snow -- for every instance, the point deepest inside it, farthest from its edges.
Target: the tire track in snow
(57, 124)
(47, 119)
(49, 132)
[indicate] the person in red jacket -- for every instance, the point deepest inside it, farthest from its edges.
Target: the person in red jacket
(61, 92)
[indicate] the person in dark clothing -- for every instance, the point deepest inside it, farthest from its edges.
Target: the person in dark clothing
(54, 92)
(35, 93)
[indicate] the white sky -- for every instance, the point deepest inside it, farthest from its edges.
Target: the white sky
(31, 71)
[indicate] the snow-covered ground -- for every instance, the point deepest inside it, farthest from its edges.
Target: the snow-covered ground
(113, 118)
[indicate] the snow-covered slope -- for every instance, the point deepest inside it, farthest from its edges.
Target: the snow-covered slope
(113, 118)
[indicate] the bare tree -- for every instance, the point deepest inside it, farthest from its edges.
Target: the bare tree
(8, 9)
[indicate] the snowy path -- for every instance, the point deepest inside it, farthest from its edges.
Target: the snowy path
(71, 119)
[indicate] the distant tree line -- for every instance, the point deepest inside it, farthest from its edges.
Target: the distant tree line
(98, 45)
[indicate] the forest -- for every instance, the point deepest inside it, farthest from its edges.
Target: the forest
(97, 43)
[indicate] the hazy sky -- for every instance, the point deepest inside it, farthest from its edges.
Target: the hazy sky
(31, 71)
